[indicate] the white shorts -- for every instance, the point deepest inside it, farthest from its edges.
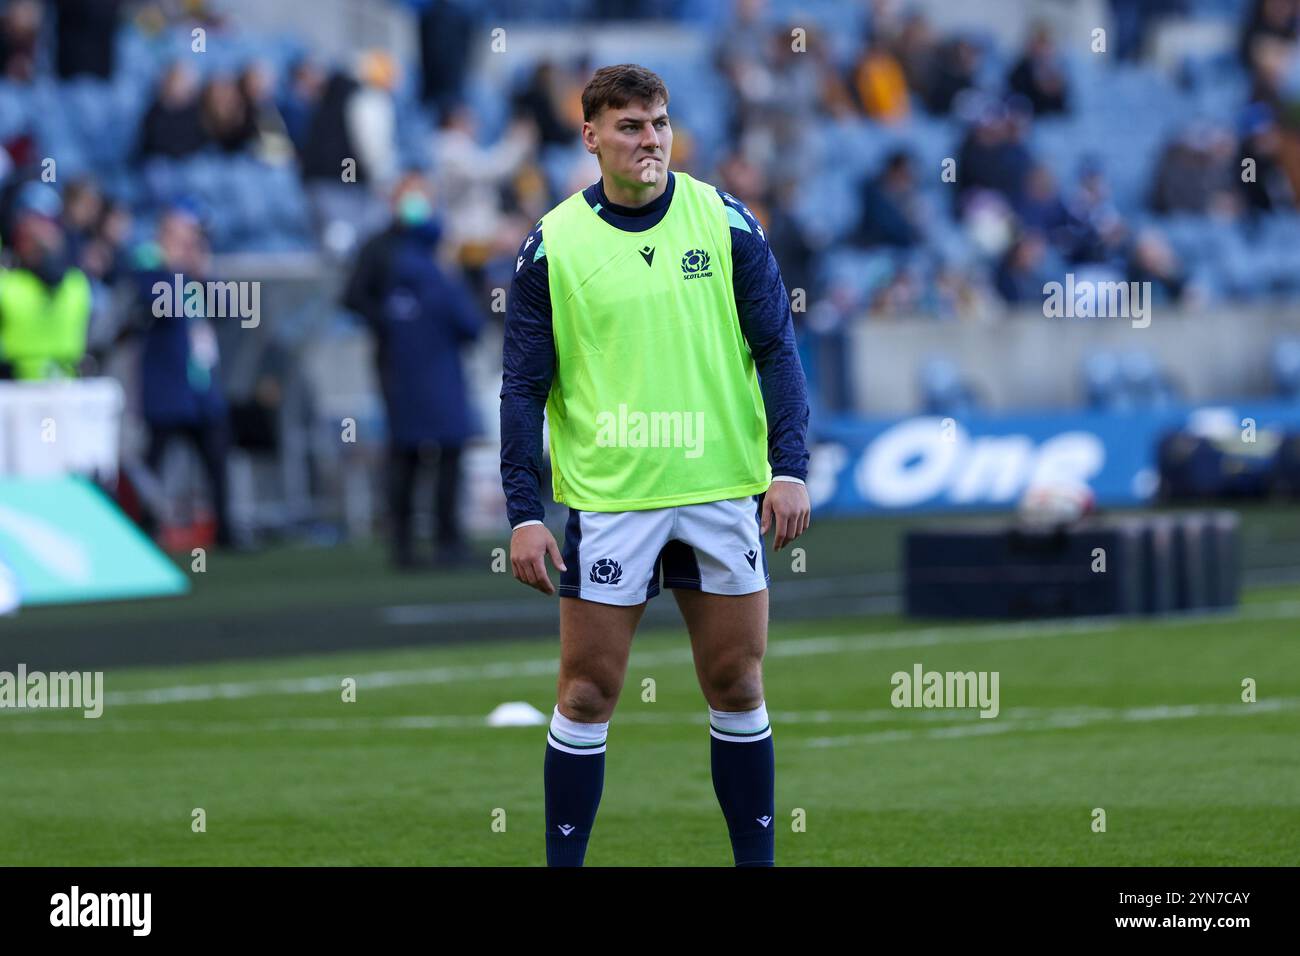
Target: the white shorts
(616, 557)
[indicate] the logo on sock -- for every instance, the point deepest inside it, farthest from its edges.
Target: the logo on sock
(764, 820)
(566, 829)
(751, 557)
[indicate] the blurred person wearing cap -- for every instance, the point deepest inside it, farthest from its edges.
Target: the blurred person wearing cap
(45, 301)
(182, 398)
(420, 316)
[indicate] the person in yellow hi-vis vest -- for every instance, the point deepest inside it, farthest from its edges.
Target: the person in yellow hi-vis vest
(45, 301)
(647, 319)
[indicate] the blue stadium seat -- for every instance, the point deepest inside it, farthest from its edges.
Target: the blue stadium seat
(1286, 368)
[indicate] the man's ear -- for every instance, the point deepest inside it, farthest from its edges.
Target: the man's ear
(589, 137)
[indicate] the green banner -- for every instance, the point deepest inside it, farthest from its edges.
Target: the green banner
(63, 541)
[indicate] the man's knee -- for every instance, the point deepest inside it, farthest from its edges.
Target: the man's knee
(734, 683)
(587, 700)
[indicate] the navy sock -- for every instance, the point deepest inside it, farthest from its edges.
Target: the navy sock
(574, 777)
(744, 777)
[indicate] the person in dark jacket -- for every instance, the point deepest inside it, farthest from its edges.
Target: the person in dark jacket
(420, 316)
(172, 127)
(889, 205)
(86, 37)
(182, 397)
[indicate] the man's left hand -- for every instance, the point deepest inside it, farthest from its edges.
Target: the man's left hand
(787, 509)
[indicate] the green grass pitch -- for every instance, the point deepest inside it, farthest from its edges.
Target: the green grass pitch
(1144, 720)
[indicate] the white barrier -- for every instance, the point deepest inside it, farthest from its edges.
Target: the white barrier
(59, 428)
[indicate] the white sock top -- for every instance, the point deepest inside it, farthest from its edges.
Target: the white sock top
(573, 732)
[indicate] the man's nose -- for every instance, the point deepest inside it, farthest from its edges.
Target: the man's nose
(651, 138)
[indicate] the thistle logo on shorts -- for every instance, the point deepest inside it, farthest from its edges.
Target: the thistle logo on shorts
(695, 264)
(606, 571)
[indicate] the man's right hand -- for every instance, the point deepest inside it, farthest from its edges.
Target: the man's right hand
(529, 547)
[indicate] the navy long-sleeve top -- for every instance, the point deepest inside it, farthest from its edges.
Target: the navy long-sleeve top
(529, 353)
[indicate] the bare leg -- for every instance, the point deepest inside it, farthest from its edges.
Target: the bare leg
(595, 641)
(728, 639)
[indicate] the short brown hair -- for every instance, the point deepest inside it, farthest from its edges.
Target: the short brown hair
(616, 86)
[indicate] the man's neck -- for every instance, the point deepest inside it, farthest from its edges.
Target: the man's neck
(633, 195)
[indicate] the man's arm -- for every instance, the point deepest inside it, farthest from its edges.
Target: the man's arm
(528, 364)
(768, 326)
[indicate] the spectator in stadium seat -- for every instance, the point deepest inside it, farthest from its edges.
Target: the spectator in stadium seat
(182, 397)
(1039, 75)
(83, 205)
(351, 141)
(86, 38)
(744, 179)
(794, 249)
(1101, 231)
(329, 140)
(955, 70)
(1196, 173)
(224, 114)
(420, 317)
(889, 205)
(45, 301)
(445, 45)
(993, 155)
(1269, 21)
(372, 117)
(1269, 190)
(20, 33)
(1022, 273)
(473, 178)
(267, 136)
(355, 120)
(539, 99)
(172, 126)
(299, 99)
(917, 50)
(1153, 260)
(881, 84)
(1042, 210)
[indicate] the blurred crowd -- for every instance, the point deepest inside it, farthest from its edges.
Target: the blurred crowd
(421, 177)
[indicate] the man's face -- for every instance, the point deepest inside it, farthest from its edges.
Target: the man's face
(633, 143)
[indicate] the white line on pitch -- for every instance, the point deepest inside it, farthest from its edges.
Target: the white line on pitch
(793, 647)
(1063, 720)
(961, 723)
